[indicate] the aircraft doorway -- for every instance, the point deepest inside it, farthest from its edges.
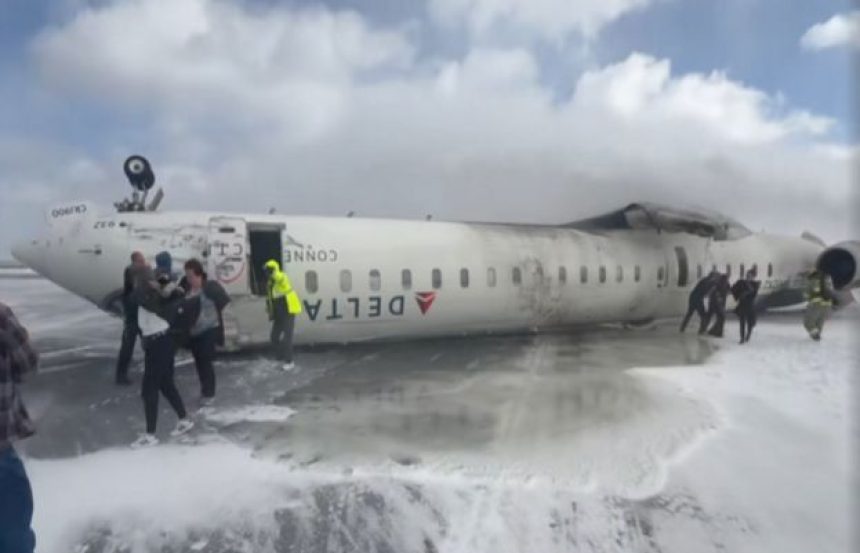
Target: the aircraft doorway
(265, 241)
(683, 267)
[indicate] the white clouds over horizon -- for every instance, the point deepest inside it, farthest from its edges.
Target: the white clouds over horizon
(841, 30)
(324, 113)
(550, 20)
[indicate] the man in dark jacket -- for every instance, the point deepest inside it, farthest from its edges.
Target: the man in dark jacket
(717, 305)
(745, 291)
(17, 358)
(696, 303)
(129, 312)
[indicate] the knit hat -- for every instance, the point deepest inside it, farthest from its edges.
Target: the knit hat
(163, 264)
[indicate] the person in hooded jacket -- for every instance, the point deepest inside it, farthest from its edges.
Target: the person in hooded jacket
(282, 305)
(160, 310)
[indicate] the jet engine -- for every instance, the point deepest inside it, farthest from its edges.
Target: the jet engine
(840, 262)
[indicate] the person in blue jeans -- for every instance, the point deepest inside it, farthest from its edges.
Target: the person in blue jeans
(17, 358)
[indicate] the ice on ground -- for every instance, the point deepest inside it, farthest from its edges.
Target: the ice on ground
(251, 413)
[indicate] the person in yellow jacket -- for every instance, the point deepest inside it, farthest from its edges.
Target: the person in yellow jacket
(282, 304)
(819, 294)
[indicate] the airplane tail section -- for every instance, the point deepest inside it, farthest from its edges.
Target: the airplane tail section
(809, 237)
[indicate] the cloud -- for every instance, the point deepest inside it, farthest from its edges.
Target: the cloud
(355, 120)
(840, 30)
(548, 19)
(202, 58)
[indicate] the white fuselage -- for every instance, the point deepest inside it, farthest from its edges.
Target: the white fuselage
(365, 279)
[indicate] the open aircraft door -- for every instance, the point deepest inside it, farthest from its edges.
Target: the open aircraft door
(228, 254)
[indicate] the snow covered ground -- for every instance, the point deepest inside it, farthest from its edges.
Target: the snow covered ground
(608, 441)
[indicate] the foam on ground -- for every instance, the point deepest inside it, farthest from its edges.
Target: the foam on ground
(748, 453)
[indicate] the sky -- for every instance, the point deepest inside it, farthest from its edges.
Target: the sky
(500, 110)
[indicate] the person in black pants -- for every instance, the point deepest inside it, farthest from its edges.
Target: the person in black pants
(160, 305)
(129, 312)
(205, 302)
(696, 302)
(745, 291)
(717, 306)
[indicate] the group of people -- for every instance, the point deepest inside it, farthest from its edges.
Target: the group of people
(169, 313)
(715, 289)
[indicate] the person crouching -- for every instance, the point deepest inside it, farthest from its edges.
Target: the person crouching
(158, 301)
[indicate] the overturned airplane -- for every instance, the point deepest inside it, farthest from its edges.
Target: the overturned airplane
(369, 279)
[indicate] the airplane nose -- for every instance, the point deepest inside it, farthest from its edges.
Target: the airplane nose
(27, 253)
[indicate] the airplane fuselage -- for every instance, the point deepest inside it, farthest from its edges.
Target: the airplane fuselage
(367, 279)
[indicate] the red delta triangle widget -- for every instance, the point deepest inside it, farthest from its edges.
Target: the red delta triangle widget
(425, 300)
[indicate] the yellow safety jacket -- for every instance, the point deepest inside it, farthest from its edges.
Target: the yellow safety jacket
(280, 289)
(818, 289)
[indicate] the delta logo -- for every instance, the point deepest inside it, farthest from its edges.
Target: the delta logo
(425, 301)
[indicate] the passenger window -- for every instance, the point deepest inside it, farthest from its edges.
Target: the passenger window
(406, 279)
(345, 281)
(464, 278)
(491, 277)
(562, 275)
(619, 273)
(517, 276)
(770, 270)
(729, 270)
(602, 274)
(375, 280)
(637, 273)
(437, 278)
(311, 282)
(661, 274)
(583, 274)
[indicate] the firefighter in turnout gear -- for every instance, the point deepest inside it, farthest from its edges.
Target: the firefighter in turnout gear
(282, 305)
(819, 295)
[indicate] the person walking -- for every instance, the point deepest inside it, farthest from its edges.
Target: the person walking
(717, 298)
(206, 300)
(696, 301)
(159, 305)
(819, 297)
(745, 291)
(282, 305)
(129, 327)
(17, 358)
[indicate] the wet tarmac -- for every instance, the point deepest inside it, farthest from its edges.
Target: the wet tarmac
(413, 397)
(553, 442)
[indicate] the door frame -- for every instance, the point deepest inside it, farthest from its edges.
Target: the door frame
(227, 262)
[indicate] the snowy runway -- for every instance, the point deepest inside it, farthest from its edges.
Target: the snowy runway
(604, 441)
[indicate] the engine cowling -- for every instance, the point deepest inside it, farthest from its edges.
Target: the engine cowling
(840, 262)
